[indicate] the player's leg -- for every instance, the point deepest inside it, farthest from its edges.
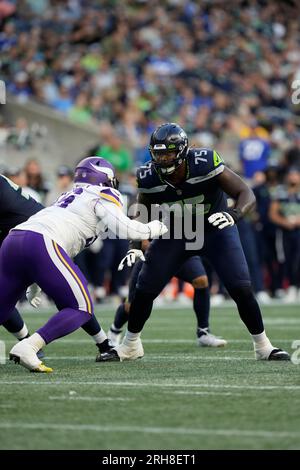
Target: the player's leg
(93, 328)
(224, 250)
(16, 325)
(102, 262)
(122, 313)
(292, 262)
(193, 271)
(58, 276)
(163, 259)
(13, 282)
(119, 278)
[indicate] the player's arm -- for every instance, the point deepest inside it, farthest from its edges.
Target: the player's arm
(137, 247)
(243, 195)
(142, 211)
(233, 185)
(112, 216)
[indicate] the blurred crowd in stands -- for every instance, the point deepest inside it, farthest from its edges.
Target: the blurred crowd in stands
(224, 73)
(136, 63)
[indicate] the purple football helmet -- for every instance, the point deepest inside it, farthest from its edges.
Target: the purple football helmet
(96, 171)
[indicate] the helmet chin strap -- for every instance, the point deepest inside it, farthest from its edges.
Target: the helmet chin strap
(169, 170)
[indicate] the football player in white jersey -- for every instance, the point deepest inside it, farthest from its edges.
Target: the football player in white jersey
(41, 249)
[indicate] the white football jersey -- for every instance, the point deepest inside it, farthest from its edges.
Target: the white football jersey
(79, 216)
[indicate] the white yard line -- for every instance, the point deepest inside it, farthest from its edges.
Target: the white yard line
(165, 341)
(154, 357)
(152, 430)
(206, 393)
(72, 397)
(136, 384)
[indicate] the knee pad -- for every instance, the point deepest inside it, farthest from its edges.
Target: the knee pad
(200, 282)
(127, 307)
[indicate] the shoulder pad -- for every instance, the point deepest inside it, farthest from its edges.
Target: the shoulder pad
(112, 195)
(148, 180)
(204, 163)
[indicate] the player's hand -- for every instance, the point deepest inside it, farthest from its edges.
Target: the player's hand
(131, 258)
(96, 246)
(221, 220)
(32, 295)
(157, 228)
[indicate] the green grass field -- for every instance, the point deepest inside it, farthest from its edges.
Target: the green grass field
(179, 396)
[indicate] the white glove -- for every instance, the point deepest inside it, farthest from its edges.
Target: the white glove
(157, 228)
(131, 257)
(96, 246)
(221, 220)
(32, 295)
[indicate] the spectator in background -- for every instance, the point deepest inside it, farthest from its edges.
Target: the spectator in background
(142, 63)
(254, 152)
(285, 213)
(113, 149)
(18, 176)
(64, 182)
(20, 87)
(63, 101)
(80, 113)
(35, 178)
(19, 135)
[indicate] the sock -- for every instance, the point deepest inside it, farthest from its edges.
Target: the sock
(92, 327)
(201, 304)
(15, 325)
(100, 337)
(140, 310)
(22, 334)
(121, 317)
(36, 342)
(115, 330)
(129, 336)
(248, 308)
(63, 323)
(261, 341)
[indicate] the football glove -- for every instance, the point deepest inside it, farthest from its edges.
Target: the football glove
(32, 295)
(157, 228)
(225, 219)
(130, 259)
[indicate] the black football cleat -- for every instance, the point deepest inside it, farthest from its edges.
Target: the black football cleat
(109, 356)
(279, 355)
(104, 348)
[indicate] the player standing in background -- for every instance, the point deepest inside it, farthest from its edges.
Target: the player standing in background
(285, 213)
(194, 176)
(40, 251)
(15, 207)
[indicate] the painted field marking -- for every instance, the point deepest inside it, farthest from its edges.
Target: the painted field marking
(152, 430)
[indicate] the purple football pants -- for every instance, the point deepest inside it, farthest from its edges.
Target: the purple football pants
(29, 257)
